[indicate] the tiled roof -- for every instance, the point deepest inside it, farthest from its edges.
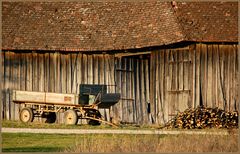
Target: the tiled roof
(98, 26)
(209, 21)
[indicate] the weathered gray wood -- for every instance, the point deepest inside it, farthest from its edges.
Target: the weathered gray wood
(216, 73)
(79, 70)
(133, 92)
(57, 75)
(90, 69)
(106, 81)
(137, 93)
(69, 73)
(147, 88)
(64, 73)
(209, 76)
(205, 81)
(226, 77)
(47, 70)
(193, 51)
(7, 65)
(95, 69)
(198, 75)
(119, 87)
(157, 99)
(237, 48)
(43, 97)
(123, 90)
(152, 65)
(143, 92)
(222, 100)
(74, 72)
(35, 68)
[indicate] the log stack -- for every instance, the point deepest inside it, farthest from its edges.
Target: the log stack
(202, 117)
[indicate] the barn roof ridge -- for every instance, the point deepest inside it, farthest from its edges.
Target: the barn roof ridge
(118, 25)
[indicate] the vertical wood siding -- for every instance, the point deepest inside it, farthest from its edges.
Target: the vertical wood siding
(152, 89)
(204, 74)
(132, 80)
(52, 72)
(63, 73)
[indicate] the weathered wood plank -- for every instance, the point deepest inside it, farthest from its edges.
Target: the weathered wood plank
(233, 94)
(123, 90)
(172, 102)
(215, 74)
(106, 81)
(147, 88)
(221, 57)
(58, 73)
(237, 50)
(47, 70)
(133, 91)
(205, 81)
(157, 90)
(63, 79)
(198, 76)
(118, 89)
(226, 74)
(6, 84)
(74, 72)
(209, 76)
(29, 72)
(193, 77)
(35, 68)
(129, 107)
(214, 94)
(41, 72)
(229, 74)
(79, 71)
(101, 69)
(137, 92)
(83, 70)
(42, 97)
(169, 85)
(16, 83)
(152, 87)
(69, 73)
(90, 69)
(143, 90)
(164, 85)
(95, 69)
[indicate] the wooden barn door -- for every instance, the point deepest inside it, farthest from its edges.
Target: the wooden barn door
(179, 81)
(132, 81)
(171, 83)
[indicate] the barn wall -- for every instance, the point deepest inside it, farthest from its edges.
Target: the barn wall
(202, 74)
(53, 72)
(62, 73)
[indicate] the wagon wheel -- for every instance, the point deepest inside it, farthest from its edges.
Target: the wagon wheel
(51, 117)
(26, 115)
(94, 114)
(70, 117)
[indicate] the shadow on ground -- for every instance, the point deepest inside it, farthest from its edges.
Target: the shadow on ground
(31, 149)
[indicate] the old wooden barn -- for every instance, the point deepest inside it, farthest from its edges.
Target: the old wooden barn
(163, 57)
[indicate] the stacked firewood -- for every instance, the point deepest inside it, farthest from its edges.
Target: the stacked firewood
(202, 117)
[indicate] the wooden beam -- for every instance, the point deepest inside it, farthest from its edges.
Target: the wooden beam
(131, 54)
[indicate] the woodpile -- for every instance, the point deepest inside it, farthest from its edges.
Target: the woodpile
(202, 117)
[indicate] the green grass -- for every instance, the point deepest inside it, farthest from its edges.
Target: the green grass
(24, 142)
(28, 142)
